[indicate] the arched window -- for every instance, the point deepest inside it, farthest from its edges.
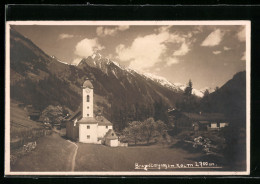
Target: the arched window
(87, 98)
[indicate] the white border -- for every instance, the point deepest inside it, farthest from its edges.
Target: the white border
(7, 94)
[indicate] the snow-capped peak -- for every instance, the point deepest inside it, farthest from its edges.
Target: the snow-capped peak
(118, 65)
(174, 86)
(96, 56)
(54, 57)
(163, 81)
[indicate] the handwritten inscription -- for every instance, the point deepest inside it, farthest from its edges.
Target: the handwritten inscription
(152, 166)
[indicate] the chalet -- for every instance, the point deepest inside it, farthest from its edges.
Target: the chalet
(32, 113)
(84, 127)
(198, 121)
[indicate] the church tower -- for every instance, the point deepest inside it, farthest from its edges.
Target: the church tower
(87, 97)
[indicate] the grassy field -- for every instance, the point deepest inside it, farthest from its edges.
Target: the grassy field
(52, 153)
(20, 123)
(92, 157)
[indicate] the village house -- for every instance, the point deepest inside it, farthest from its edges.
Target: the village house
(198, 121)
(84, 127)
(32, 113)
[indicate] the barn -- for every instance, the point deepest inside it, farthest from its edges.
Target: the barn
(198, 121)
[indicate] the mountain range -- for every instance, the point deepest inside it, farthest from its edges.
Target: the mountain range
(40, 80)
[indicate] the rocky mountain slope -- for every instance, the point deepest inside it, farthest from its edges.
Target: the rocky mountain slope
(40, 80)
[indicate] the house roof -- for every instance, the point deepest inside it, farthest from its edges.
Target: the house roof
(87, 84)
(204, 122)
(204, 116)
(111, 135)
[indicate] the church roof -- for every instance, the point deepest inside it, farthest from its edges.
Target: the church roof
(88, 120)
(76, 114)
(87, 84)
(102, 121)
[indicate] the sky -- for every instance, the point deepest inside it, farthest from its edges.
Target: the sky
(209, 55)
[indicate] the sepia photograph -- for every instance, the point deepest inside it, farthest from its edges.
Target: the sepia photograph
(127, 98)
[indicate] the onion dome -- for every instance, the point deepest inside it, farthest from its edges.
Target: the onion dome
(87, 84)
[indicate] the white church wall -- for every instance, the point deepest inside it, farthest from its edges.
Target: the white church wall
(88, 133)
(102, 130)
(114, 143)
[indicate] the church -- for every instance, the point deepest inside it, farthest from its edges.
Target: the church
(84, 127)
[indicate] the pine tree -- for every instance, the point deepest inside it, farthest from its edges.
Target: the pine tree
(188, 89)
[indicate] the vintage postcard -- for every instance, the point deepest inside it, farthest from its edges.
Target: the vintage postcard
(127, 98)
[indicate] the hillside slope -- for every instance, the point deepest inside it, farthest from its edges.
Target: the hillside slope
(41, 80)
(230, 98)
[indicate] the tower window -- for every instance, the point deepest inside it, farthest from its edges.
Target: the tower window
(87, 98)
(87, 114)
(88, 127)
(106, 127)
(88, 136)
(87, 107)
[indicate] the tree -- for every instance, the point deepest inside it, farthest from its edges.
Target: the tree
(206, 93)
(150, 129)
(217, 88)
(52, 114)
(145, 131)
(160, 111)
(133, 131)
(189, 103)
(188, 89)
(205, 102)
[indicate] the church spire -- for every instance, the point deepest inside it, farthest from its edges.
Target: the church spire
(87, 98)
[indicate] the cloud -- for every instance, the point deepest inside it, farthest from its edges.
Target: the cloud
(241, 35)
(146, 51)
(243, 58)
(101, 31)
(226, 48)
(214, 38)
(183, 50)
(157, 69)
(170, 61)
(123, 28)
(87, 47)
(64, 36)
(216, 52)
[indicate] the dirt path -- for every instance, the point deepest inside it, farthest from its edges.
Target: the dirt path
(73, 160)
